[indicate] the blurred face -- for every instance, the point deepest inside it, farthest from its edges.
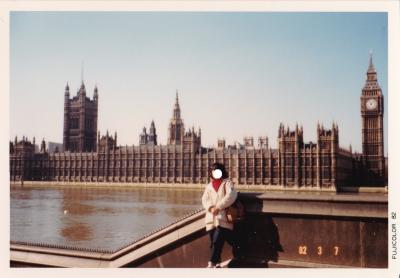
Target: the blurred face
(216, 174)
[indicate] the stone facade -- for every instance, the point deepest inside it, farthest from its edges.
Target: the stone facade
(148, 138)
(80, 121)
(294, 164)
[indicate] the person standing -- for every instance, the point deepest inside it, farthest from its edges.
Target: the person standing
(218, 195)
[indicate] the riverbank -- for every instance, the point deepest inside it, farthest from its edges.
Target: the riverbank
(240, 187)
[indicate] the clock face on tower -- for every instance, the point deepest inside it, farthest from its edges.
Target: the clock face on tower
(371, 104)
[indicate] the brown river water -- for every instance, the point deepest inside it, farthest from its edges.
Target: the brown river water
(103, 218)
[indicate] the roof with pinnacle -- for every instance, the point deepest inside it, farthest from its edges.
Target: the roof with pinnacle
(371, 82)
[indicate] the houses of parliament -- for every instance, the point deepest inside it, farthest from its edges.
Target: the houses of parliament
(88, 156)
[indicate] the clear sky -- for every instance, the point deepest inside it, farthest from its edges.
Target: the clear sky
(238, 74)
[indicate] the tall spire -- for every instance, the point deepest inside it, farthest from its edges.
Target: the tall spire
(177, 109)
(82, 90)
(82, 73)
(176, 128)
(371, 83)
(371, 68)
(176, 99)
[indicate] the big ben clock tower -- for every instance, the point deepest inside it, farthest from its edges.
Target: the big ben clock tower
(372, 126)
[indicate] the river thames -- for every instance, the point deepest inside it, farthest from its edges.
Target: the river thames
(102, 218)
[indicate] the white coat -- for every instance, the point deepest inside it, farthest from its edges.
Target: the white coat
(218, 200)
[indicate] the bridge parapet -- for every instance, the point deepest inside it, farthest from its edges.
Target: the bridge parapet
(281, 229)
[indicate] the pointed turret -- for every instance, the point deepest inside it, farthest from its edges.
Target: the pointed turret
(67, 90)
(280, 130)
(371, 83)
(98, 139)
(152, 136)
(95, 93)
(143, 137)
(43, 146)
(371, 68)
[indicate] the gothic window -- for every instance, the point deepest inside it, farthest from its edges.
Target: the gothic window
(326, 160)
(89, 123)
(289, 173)
(250, 172)
(74, 123)
(186, 172)
(326, 173)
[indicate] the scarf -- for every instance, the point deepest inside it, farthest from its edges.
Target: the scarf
(216, 184)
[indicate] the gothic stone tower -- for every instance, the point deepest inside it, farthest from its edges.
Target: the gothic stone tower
(176, 128)
(143, 137)
(372, 126)
(80, 121)
(148, 138)
(152, 139)
(290, 144)
(327, 148)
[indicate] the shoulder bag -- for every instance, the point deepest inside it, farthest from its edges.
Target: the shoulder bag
(235, 212)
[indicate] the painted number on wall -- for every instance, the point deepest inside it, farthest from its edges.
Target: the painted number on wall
(336, 249)
(303, 250)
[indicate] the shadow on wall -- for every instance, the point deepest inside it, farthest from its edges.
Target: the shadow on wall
(256, 249)
(258, 242)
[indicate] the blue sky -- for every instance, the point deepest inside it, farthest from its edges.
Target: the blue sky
(238, 74)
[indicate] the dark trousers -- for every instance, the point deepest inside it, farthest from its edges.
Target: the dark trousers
(218, 236)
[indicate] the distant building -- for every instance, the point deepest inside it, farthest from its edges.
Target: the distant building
(322, 164)
(55, 147)
(106, 143)
(80, 121)
(221, 144)
(263, 142)
(248, 142)
(143, 137)
(148, 138)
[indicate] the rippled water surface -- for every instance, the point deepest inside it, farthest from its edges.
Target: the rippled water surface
(105, 218)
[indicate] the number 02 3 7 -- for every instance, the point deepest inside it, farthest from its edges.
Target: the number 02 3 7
(303, 250)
